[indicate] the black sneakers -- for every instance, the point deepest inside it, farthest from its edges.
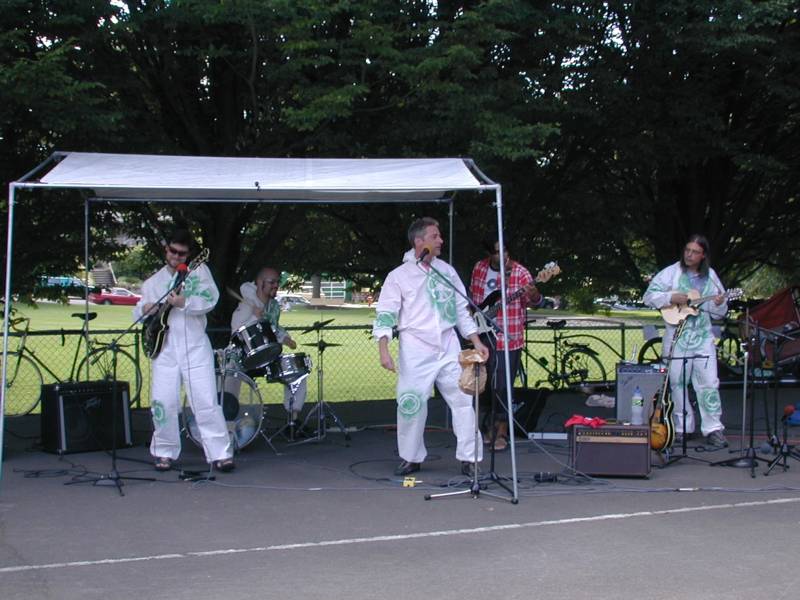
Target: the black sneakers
(406, 468)
(716, 439)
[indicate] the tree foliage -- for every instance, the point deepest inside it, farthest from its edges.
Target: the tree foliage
(615, 128)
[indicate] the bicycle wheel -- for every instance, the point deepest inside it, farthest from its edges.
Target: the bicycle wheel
(23, 385)
(101, 368)
(581, 366)
(730, 358)
(650, 352)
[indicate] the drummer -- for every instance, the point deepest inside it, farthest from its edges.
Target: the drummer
(259, 304)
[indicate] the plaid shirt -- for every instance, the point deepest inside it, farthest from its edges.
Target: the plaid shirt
(517, 278)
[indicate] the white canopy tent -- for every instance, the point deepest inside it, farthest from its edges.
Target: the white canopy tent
(152, 178)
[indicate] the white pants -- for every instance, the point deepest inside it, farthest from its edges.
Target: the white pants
(197, 375)
(702, 373)
(419, 368)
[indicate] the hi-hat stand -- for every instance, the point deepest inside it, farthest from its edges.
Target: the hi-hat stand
(322, 409)
(786, 450)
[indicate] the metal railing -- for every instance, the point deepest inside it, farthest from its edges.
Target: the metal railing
(349, 357)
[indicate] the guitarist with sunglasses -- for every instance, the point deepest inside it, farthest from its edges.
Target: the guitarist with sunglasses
(486, 280)
(183, 356)
(673, 288)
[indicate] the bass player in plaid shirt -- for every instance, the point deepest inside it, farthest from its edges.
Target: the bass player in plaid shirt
(485, 280)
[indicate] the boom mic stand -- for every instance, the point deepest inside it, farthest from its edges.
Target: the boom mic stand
(747, 456)
(786, 450)
(491, 475)
(113, 477)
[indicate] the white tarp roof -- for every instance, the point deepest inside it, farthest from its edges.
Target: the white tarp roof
(207, 178)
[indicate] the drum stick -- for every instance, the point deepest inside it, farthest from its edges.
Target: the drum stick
(240, 299)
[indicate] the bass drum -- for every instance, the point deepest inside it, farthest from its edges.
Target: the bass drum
(241, 404)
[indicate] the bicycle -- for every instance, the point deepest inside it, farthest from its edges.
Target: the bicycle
(24, 377)
(574, 364)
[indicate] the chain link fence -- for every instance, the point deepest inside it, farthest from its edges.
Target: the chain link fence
(344, 360)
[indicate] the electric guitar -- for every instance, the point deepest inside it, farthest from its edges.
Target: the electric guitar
(675, 313)
(155, 327)
(492, 304)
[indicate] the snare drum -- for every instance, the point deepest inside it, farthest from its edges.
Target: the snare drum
(257, 343)
(289, 368)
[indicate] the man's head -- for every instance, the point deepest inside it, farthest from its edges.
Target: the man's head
(424, 233)
(492, 247)
(267, 282)
(178, 246)
(695, 254)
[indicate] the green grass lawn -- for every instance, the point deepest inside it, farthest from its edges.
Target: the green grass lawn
(351, 367)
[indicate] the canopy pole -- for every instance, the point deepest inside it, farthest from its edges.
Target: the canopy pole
(450, 225)
(6, 314)
(86, 202)
(509, 383)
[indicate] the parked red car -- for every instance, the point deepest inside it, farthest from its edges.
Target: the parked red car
(114, 296)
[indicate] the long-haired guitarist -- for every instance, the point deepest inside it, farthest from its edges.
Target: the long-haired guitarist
(185, 356)
(673, 289)
(486, 280)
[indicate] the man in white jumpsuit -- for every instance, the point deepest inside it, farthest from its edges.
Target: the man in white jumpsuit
(426, 310)
(671, 286)
(186, 357)
(259, 304)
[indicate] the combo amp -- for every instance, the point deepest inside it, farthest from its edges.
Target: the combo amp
(79, 417)
(611, 450)
(648, 378)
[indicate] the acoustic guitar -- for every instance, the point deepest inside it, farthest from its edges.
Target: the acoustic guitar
(676, 313)
(155, 327)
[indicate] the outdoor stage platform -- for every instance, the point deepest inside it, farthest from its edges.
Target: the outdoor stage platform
(329, 520)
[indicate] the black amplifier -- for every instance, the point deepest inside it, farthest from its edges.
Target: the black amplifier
(611, 450)
(83, 416)
(648, 378)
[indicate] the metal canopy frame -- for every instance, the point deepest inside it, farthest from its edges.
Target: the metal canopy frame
(351, 190)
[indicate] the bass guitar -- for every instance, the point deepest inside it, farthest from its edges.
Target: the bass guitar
(155, 327)
(492, 304)
(675, 313)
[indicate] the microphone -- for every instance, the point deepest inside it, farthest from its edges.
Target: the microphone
(183, 271)
(425, 251)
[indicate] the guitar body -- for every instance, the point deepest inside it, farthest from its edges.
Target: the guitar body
(154, 331)
(676, 313)
(662, 429)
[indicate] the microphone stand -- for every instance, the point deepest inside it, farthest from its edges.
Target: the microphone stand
(685, 411)
(491, 475)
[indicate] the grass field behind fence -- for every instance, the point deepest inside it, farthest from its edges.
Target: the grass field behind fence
(351, 368)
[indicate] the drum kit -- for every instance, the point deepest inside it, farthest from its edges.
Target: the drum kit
(254, 352)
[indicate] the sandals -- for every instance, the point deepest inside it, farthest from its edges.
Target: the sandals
(225, 465)
(501, 444)
(162, 463)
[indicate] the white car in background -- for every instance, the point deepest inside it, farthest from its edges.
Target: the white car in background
(288, 301)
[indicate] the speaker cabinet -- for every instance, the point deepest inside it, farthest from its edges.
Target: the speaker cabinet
(79, 417)
(611, 450)
(648, 378)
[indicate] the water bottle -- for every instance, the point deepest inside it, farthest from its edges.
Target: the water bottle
(637, 407)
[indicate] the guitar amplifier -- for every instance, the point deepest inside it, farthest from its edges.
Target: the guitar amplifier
(611, 450)
(79, 417)
(648, 378)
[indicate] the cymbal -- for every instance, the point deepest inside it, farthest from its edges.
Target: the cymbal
(317, 326)
(322, 344)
